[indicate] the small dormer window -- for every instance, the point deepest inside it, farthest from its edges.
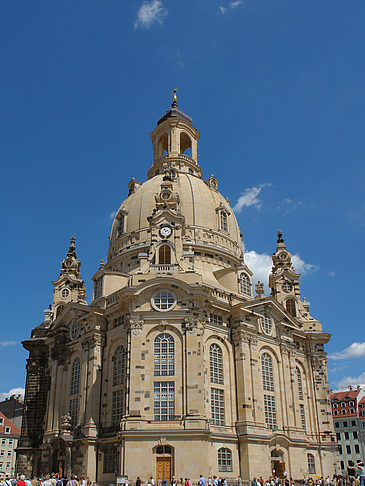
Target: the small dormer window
(7, 430)
(1, 420)
(351, 404)
(120, 226)
(245, 284)
(290, 307)
(98, 287)
(223, 219)
(343, 404)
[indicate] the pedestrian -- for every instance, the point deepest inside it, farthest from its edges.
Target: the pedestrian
(21, 481)
(254, 482)
(351, 473)
(239, 481)
(202, 481)
(361, 468)
(138, 481)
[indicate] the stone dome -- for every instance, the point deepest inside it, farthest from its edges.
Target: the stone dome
(199, 203)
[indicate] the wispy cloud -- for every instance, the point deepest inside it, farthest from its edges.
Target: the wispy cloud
(149, 13)
(288, 205)
(355, 350)
(13, 391)
(250, 197)
(332, 274)
(8, 343)
(261, 264)
(112, 215)
(231, 5)
(351, 380)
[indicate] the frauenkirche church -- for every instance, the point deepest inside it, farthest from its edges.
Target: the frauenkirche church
(177, 367)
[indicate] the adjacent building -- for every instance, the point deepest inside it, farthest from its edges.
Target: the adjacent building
(12, 408)
(348, 412)
(9, 435)
(177, 366)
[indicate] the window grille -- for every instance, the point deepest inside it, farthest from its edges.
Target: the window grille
(302, 415)
(117, 406)
(223, 221)
(216, 364)
(300, 384)
(75, 377)
(266, 323)
(217, 406)
(267, 372)
(164, 355)
(164, 400)
(245, 284)
(311, 464)
(118, 360)
(270, 411)
(216, 319)
(74, 411)
(224, 460)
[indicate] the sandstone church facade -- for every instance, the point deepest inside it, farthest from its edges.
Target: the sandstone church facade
(177, 367)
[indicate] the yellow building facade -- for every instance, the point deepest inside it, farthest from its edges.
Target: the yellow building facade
(177, 367)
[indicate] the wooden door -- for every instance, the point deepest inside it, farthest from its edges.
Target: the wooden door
(281, 470)
(163, 469)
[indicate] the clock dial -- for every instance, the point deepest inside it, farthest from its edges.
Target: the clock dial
(165, 231)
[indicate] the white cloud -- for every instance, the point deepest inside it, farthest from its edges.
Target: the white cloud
(355, 350)
(301, 266)
(288, 205)
(13, 391)
(112, 215)
(8, 343)
(250, 197)
(231, 5)
(150, 12)
(349, 380)
(261, 264)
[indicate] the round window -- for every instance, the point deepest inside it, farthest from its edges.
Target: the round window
(65, 293)
(266, 323)
(287, 286)
(163, 301)
(75, 330)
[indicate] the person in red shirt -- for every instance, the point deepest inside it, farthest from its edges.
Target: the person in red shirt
(21, 481)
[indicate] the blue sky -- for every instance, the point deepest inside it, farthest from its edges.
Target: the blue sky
(276, 89)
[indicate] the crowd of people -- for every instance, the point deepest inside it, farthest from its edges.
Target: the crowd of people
(355, 477)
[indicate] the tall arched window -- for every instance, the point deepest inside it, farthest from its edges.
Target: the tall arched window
(224, 459)
(268, 386)
(75, 377)
(164, 355)
(290, 307)
(300, 384)
(118, 360)
(267, 373)
(245, 284)
(164, 255)
(216, 364)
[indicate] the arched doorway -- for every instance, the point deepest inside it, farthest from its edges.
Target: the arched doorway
(277, 463)
(164, 462)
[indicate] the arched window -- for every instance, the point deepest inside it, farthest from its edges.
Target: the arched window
(335, 412)
(164, 355)
(245, 284)
(224, 459)
(75, 377)
(267, 372)
(311, 464)
(118, 360)
(164, 255)
(343, 404)
(216, 364)
(185, 144)
(300, 384)
(290, 307)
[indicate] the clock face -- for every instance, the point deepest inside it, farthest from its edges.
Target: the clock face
(283, 256)
(165, 231)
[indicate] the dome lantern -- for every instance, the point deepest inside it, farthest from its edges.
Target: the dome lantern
(175, 143)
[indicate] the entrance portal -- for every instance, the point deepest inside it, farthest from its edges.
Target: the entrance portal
(163, 468)
(277, 464)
